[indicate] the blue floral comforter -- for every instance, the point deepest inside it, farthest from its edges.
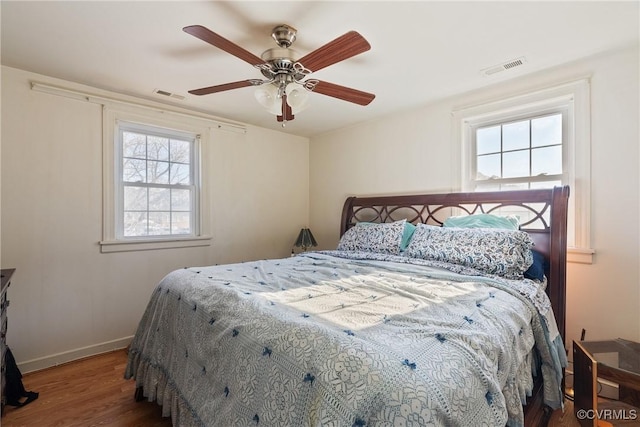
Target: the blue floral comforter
(334, 339)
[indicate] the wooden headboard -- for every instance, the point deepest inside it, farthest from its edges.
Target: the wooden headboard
(543, 214)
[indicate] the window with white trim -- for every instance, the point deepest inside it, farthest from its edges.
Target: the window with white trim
(157, 185)
(536, 140)
(153, 193)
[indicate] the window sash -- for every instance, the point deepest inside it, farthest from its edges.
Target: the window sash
(121, 184)
(502, 120)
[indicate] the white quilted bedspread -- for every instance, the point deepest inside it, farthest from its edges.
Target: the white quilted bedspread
(324, 340)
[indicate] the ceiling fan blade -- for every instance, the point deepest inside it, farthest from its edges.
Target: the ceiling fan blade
(223, 87)
(220, 42)
(341, 92)
(345, 46)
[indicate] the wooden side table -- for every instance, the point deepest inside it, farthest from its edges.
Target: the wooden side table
(615, 360)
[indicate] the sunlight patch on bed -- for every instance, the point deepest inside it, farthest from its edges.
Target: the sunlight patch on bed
(362, 301)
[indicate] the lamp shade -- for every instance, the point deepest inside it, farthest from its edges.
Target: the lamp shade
(305, 239)
(267, 96)
(297, 97)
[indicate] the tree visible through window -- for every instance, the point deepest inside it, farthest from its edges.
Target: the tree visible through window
(157, 182)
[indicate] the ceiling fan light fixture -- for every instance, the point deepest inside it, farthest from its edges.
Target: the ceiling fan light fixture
(297, 97)
(267, 96)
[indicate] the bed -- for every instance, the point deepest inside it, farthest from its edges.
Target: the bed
(417, 318)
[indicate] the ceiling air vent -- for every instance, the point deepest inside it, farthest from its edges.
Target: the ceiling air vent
(504, 66)
(169, 94)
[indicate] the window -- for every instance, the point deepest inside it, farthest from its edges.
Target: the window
(519, 154)
(157, 187)
(536, 140)
(154, 196)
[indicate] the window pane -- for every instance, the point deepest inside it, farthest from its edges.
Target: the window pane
(180, 174)
(134, 170)
(488, 186)
(514, 186)
(135, 224)
(158, 172)
(158, 148)
(546, 184)
(488, 140)
(515, 136)
(181, 200)
(547, 160)
(180, 151)
(488, 167)
(515, 164)
(159, 199)
(159, 223)
(135, 199)
(134, 145)
(181, 223)
(546, 130)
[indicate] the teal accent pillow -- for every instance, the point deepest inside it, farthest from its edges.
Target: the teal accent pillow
(510, 222)
(407, 233)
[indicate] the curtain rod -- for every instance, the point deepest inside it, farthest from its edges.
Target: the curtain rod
(99, 99)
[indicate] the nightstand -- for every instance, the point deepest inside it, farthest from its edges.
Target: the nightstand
(615, 360)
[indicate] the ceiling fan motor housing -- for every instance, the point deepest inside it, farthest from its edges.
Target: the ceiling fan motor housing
(281, 61)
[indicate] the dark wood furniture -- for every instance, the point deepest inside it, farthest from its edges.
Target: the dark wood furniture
(5, 276)
(546, 222)
(614, 360)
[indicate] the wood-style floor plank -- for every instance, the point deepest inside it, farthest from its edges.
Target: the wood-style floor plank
(93, 392)
(87, 392)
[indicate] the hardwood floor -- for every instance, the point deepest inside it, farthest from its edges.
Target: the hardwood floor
(88, 392)
(93, 392)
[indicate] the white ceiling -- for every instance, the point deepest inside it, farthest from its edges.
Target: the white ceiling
(420, 50)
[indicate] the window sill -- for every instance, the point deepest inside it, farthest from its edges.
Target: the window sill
(108, 246)
(580, 255)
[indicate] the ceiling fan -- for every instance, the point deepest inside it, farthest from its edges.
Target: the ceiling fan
(285, 88)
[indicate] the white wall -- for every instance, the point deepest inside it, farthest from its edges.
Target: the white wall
(67, 298)
(413, 151)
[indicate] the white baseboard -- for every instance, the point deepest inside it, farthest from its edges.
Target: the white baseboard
(71, 355)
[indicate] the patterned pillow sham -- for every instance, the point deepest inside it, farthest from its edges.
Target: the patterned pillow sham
(372, 237)
(505, 253)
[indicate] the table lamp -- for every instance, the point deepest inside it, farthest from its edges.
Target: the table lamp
(305, 240)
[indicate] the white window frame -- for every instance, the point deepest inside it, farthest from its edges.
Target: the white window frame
(573, 99)
(113, 239)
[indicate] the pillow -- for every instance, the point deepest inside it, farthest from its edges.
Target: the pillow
(406, 235)
(536, 271)
(371, 237)
(509, 222)
(505, 253)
